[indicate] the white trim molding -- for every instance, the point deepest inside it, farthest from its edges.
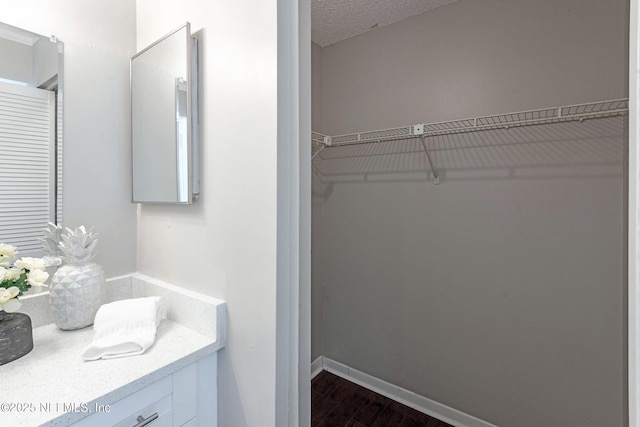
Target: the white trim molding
(419, 403)
(316, 366)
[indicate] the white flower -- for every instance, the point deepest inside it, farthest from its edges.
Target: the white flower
(8, 293)
(8, 301)
(10, 273)
(8, 250)
(13, 273)
(7, 254)
(36, 278)
(29, 263)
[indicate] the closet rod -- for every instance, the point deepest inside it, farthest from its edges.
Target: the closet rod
(576, 112)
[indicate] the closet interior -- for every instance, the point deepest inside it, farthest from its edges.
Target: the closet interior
(475, 269)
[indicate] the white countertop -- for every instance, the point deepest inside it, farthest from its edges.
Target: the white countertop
(53, 375)
(39, 388)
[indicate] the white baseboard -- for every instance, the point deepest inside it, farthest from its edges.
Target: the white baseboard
(316, 366)
(420, 403)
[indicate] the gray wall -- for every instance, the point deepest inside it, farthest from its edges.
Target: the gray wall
(316, 87)
(500, 291)
(316, 185)
(475, 58)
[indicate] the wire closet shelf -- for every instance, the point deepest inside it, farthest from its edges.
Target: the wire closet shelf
(577, 112)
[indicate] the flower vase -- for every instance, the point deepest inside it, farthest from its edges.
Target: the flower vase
(16, 336)
(75, 294)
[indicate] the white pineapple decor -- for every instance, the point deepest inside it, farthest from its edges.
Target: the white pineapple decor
(51, 245)
(51, 240)
(76, 288)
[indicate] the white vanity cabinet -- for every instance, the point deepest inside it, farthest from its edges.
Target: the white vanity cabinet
(175, 378)
(185, 398)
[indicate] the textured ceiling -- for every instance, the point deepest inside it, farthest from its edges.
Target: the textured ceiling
(336, 20)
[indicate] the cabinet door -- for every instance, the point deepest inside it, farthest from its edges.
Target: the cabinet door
(207, 402)
(184, 395)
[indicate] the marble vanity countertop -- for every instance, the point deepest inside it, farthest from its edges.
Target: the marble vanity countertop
(53, 386)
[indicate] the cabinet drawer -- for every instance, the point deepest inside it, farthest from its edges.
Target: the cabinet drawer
(163, 421)
(155, 398)
(160, 409)
(187, 397)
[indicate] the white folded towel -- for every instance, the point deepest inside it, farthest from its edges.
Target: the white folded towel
(124, 328)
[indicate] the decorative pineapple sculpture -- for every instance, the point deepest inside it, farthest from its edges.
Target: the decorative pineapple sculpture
(51, 240)
(76, 288)
(50, 244)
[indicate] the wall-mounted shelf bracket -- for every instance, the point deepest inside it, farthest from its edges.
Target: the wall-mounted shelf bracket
(318, 152)
(436, 177)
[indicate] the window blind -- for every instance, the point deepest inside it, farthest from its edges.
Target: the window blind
(27, 166)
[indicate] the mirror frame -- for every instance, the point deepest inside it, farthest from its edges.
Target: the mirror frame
(193, 131)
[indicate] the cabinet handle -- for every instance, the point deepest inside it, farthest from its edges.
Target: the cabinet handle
(142, 421)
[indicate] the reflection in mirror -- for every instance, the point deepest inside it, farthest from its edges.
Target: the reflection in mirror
(163, 119)
(30, 137)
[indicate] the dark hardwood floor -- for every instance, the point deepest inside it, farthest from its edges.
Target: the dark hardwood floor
(336, 402)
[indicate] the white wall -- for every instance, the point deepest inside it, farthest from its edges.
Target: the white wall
(98, 38)
(225, 245)
(499, 292)
(45, 61)
(16, 62)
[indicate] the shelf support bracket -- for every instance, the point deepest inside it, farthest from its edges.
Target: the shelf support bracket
(436, 177)
(318, 152)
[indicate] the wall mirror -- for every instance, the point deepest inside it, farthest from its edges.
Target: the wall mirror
(31, 92)
(164, 119)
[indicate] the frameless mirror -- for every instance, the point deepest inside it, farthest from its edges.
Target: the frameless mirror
(31, 90)
(164, 121)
